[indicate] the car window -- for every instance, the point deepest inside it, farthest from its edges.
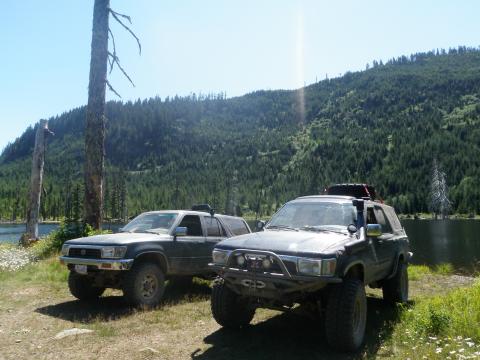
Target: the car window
(160, 222)
(193, 225)
(213, 226)
(237, 226)
(393, 219)
(382, 220)
(314, 214)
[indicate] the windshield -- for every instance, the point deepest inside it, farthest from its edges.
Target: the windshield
(151, 222)
(314, 216)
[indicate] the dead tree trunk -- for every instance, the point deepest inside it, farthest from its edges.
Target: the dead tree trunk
(95, 118)
(36, 181)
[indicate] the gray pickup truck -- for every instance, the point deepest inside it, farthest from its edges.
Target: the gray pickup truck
(154, 247)
(320, 252)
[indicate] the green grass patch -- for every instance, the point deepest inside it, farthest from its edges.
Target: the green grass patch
(444, 269)
(417, 272)
(41, 272)
(440, 326)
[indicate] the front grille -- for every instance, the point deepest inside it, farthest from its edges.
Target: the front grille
(85, 253)
(291, 267)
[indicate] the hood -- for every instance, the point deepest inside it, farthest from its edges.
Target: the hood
(288, 242)
(120, 238)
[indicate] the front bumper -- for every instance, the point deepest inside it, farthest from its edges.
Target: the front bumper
(271, 285)
(99, 264)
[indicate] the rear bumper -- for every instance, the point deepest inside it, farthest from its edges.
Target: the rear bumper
(100, 264)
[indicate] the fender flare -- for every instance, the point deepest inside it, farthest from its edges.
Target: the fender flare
(397, 261)
(156, 253)
(351, 265)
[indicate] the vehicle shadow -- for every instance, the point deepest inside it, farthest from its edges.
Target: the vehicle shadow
(289, 336)
(111, 308)
(107, 308)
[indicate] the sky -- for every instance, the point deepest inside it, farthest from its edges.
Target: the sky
(209, 46)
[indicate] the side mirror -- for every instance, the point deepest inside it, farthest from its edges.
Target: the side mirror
(374, 230)
(180, 231)
(259, 225)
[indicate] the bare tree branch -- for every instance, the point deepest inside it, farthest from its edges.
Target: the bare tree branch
(116, 60)
(114, 50)
(112, 89)
(116, 17)
(122, 15)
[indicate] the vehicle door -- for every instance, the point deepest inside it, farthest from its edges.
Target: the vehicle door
(214, 233)
(385, 243)
(189, 248)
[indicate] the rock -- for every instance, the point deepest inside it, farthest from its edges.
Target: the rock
(149, 350)
(72, 332)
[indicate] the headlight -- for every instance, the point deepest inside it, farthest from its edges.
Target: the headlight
(318, 267)
(65, 249)
(113, 252)
(310, 266)
(220, 257)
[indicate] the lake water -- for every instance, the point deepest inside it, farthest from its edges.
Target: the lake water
(445, 241)
(432, 241)
(11, 233)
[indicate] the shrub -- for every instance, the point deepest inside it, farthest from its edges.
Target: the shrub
(52, 243)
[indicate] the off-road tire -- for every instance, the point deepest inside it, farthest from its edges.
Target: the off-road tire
(346, 315)
(395, 290)
(81, 287)
(144, 285)
(228, 308)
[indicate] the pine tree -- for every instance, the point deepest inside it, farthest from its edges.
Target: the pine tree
(439, 202)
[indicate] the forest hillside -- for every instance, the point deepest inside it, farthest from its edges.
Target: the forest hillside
(384, 126)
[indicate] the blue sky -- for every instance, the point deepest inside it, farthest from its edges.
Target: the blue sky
(232, 46)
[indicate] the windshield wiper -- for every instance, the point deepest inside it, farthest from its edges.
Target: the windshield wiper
(321, 228)
(152, 231)
(286, 227)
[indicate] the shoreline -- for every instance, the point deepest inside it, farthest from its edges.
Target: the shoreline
(48, 222)
(430, 217)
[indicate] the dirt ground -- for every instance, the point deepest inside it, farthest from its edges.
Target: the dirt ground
(31, 315)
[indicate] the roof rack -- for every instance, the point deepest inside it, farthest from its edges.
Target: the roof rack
(203, 208)
(359, 191)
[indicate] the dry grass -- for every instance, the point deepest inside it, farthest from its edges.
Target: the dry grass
(35, 305)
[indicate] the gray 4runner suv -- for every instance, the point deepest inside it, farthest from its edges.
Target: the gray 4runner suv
(319, 251)
(156, 246)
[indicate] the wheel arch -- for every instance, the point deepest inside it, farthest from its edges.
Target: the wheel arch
(355, 270)
(401, 257)
(156, 257)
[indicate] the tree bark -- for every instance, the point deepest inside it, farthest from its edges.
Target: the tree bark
(95, 118)
(36, 180)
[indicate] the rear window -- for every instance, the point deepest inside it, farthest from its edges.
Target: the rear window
(396, 225)
(237, 226)
(213, 227)
(382, 220)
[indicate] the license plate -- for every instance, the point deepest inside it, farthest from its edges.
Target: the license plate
(81, 269)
